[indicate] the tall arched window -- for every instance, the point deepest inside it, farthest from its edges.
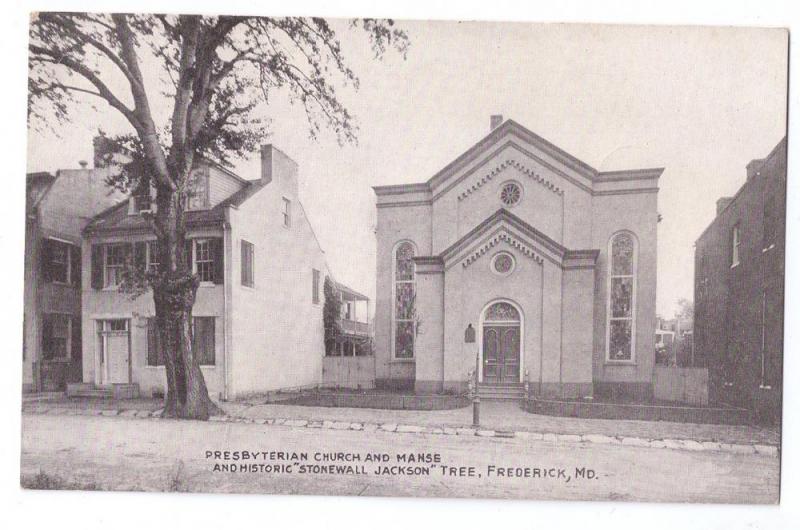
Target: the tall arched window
(621, 298)
(404, 313)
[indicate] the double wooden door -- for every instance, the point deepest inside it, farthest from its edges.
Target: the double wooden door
(501, 354)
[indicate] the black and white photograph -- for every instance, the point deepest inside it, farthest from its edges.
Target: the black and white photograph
(390, 257)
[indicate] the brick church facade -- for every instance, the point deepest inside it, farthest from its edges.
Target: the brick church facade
(548, 262)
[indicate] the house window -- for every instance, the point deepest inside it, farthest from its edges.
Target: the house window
(404, 314)
(248, 251)
(621, 298)
(59, 256)
(114, 265)
(142, 199)
(287, 212)
(56, 337)
(203, 260)
(735, 242)
(152, 256)
(198, 190)
(315, 286)
(203, 340)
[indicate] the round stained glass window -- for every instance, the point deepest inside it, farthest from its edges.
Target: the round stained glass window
(510, 193)
(503, 263)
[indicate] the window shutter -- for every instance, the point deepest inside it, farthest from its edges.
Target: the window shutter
(75, 266)
(187, 247)
(76, 338)
(97, 266)
(128, 253)
(217, 251)
(47, 334)
(46, 259)
(203, 342)
(140, 255)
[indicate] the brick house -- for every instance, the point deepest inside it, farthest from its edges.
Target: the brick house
(526, 257)
(739, 290)
(57, 207)
(258, 314)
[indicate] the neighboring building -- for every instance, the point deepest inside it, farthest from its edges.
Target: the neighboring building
(548, 264)
(356, 338)
(349, 360)
(258, 323)
(739, 286)
(675, 343)
(57, 208)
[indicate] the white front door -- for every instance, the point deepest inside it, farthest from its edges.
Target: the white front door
(115, 352)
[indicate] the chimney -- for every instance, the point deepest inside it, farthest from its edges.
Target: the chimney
(277, 167)
(723, 203)
(495, 121)
(753, 168)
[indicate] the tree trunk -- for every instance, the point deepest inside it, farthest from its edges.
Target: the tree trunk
(187, 395)
(174, 290)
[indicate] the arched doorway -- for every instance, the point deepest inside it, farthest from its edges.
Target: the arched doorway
(501, 344)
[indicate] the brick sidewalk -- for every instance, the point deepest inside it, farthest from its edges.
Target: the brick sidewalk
(497, 416)
(504, 416)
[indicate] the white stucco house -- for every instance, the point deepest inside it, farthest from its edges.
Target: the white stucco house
(524, 261)
(258, 313)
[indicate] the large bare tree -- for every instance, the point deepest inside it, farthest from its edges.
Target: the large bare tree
(214, 73)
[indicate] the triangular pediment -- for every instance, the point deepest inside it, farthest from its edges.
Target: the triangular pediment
(511, 145)
(525, 142)
(503, 227)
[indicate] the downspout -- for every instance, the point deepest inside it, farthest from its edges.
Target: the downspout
(226, 295)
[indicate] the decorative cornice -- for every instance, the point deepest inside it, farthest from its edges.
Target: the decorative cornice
(502, 167)
(628, 191)
(428, 264)
(630, 174)
(496, 240)
(399, 189)
(396, 204)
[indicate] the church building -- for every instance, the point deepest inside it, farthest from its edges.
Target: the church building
(521, 260)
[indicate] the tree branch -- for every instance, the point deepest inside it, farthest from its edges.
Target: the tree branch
(147, 132)
(89, 75)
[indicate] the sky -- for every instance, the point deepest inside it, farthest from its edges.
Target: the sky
(700, 102)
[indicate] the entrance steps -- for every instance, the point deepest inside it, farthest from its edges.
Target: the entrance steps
(502, 391)
(115, 391)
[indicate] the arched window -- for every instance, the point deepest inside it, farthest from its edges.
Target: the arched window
(621, 298)
(404, 312)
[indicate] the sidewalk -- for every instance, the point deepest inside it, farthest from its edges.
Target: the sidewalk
(495, 416)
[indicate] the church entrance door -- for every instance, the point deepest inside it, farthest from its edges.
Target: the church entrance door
(501, 344)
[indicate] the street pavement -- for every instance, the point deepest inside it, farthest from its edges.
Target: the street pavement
(127, 453)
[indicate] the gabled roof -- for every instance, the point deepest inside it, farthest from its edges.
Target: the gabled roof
(37, 185)
(505, 217)
(350, 291)
(514, 129)
(500, 216)
(117, 219)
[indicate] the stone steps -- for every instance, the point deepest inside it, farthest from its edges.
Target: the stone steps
(502, 392)
(90, 390)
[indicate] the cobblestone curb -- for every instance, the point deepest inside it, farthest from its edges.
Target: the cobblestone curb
(599, 439)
